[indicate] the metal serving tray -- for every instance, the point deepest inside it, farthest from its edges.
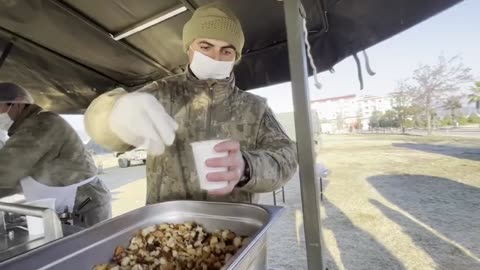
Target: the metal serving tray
(96, 245)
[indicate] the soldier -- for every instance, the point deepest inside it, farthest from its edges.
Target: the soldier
(206, 104)
(47, 158)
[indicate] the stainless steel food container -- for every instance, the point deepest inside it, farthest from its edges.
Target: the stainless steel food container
(96, 245)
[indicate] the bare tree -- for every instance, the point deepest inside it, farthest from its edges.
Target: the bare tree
(432, 83)
(402, 103)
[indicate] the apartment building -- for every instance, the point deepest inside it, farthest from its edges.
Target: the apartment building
(344, 113)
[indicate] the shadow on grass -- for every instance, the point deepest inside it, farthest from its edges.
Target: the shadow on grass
(445, 254)
(448, 207)
(470, 153)
(358, 249)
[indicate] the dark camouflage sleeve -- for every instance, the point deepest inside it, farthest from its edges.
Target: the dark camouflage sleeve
(24, 149)
(274, 162)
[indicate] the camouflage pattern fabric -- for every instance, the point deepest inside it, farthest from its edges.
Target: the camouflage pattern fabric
(44, 146)
(205, 110)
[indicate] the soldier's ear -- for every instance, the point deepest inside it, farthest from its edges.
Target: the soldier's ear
(17, 109)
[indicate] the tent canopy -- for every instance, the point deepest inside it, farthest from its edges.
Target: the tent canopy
(66, 52)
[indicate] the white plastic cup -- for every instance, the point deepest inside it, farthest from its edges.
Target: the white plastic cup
(202, 151)
(35, 224)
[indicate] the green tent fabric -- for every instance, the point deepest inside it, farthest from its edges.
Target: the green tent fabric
(64, 52)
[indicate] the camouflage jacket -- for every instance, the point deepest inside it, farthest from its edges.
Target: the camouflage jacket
(44, 146)
(205, 110)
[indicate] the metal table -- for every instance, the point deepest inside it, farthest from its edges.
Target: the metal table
(96, 245)
(14, 238)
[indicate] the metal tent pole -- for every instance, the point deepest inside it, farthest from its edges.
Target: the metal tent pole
(294, 15)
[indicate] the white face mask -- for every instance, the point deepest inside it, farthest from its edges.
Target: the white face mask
(205, 67)
(5, 120)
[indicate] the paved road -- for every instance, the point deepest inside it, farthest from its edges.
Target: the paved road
(117, 177)
(461, 132)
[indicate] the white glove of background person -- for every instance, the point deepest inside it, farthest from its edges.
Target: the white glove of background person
(140, 120)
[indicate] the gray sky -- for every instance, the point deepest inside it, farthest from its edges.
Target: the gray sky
(453, 32)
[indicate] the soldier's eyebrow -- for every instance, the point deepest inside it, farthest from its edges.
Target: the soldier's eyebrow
(203, 42)
(228, 47)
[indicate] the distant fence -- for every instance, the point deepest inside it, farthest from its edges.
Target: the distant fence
(371, 131)
(381, 131)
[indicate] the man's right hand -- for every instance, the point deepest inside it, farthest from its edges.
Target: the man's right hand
(140, 120)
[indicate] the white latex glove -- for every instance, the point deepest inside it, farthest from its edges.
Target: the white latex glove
(140, 120)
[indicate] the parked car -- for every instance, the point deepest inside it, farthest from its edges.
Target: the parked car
(125, 159)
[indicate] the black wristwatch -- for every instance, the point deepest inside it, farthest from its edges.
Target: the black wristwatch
(246, 175)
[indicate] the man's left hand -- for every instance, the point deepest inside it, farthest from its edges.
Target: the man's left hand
(234, 162)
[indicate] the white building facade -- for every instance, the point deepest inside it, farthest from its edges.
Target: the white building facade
(350, 112)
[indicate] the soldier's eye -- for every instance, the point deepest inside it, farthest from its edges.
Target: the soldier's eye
(228, 52)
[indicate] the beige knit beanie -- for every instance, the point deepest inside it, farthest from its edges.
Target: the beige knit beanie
(214, 21)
